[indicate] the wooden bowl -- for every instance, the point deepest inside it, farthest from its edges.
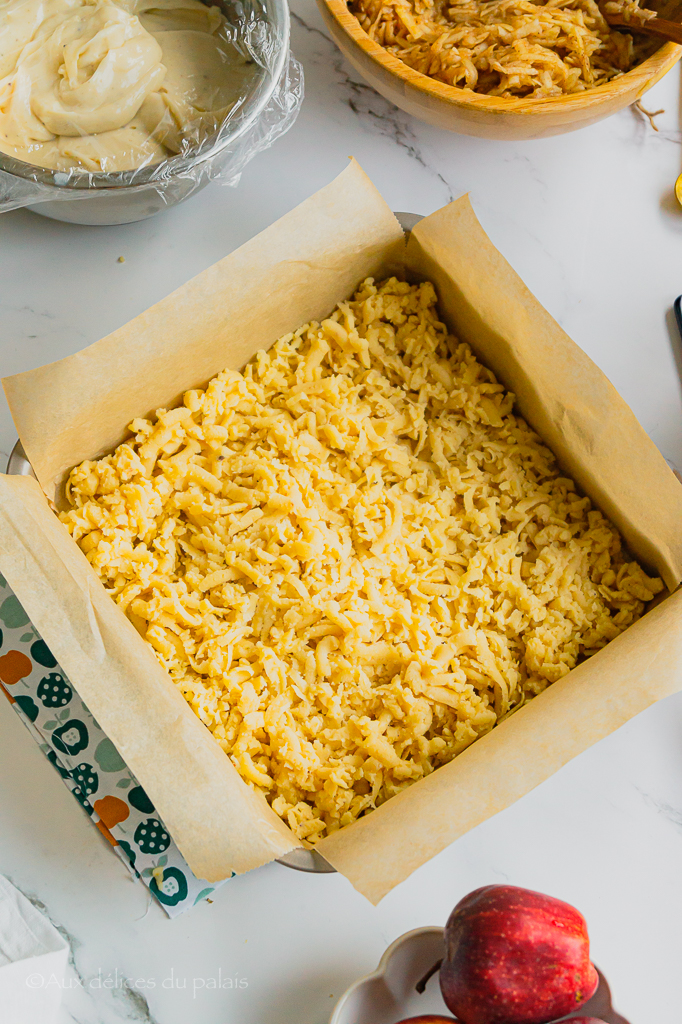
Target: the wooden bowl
(489, 117)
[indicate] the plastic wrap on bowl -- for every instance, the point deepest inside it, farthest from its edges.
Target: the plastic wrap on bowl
(265, 107)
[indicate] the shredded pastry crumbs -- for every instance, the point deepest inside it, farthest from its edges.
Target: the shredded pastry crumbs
(508, 47)
(353, 558)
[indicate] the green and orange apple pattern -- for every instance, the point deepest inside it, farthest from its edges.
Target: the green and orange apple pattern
(88, 761)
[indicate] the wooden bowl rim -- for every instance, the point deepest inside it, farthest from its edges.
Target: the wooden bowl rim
(646, 73)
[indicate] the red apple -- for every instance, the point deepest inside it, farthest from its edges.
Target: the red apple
(584, 1020)
(513, 956)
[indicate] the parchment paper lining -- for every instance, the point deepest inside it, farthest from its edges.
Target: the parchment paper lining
(295, 271)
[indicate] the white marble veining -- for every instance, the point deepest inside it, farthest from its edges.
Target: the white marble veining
(590, 223)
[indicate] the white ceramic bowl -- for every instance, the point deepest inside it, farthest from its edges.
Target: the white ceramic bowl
(388, 995)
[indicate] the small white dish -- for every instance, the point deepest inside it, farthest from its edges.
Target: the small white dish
(388, 994)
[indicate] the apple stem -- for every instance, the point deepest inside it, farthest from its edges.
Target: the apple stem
(422, 983)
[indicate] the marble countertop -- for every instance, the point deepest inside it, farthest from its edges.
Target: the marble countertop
(590, 222)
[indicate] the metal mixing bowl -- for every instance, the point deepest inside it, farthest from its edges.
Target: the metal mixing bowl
(121, 197)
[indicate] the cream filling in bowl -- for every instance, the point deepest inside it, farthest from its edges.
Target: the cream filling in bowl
(105, 86)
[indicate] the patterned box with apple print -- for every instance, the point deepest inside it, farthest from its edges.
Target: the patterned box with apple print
(89, 763)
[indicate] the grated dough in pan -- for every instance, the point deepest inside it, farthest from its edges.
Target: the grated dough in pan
(353, 558)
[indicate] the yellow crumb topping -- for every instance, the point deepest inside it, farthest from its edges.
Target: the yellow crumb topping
(353, 558)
